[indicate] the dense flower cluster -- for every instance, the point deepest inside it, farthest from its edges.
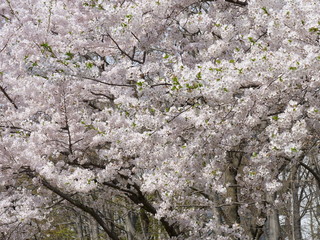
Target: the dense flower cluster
(182, 101)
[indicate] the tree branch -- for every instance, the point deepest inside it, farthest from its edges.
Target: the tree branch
(315, 174)
(126, 54)
(105, 83)
(92, 212)
(8, 97)
(139, 199)
(312, 171)
(237, 2)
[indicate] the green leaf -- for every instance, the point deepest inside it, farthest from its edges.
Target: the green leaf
(199, 75)
(194, 85)
(313, 29)
(175, 80)
(46, 47)
(152, 110)
(214, 172)
(265, 10)
(100, 7)
(251, 39)
(70, 55)
(166, 56)
(89, 64)
(294, 150)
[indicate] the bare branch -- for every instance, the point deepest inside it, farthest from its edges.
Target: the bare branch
(105, 83)
(126, 54)
(8, 97)
(5, 17)
(94, 213)
(111, 98)
(237, 2)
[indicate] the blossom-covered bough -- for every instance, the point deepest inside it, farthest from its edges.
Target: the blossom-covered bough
(200, 115)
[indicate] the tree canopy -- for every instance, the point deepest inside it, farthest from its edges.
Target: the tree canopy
(195, 119)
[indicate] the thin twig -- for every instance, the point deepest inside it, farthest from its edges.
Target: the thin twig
(126, 54)
(105, 83)
(8, 97)
(111, 98)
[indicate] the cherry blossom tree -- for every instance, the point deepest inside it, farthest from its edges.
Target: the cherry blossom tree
(198, 116)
